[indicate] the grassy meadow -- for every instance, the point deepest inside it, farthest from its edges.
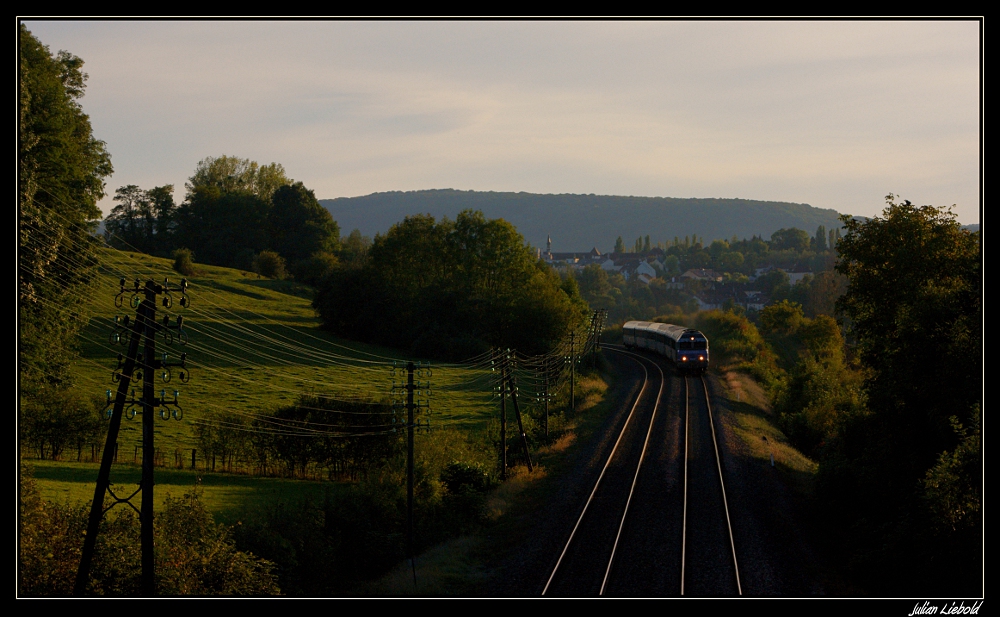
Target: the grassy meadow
(254, 344)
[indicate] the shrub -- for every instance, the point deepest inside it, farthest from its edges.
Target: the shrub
(193, 554)
(269, 264)
(184, 261)
(462, 478)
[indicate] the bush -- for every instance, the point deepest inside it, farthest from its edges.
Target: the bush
(462, 478)
(193, 555)
(184, 262)
(269, 264)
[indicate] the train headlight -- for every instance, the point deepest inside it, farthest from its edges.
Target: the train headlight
(684, 358)
(701, 358)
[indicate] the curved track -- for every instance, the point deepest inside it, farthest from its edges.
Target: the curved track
(665, 531)
(585, 563)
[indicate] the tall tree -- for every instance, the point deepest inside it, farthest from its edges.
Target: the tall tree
(450, 289)
(819, 241)
(299, 226)
(914, 300)
(232, 174)
(125, 227)
(61, 174)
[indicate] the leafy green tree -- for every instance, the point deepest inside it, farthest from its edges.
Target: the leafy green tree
(129, 223)
(354, 248)
(914, 303)
(914, 306)
(56, 419)
(819, 240)
(232, 174)
(142, 220)
(790, 239)
(313, 270)
(224, 229)
(61, 172)
(619, 245)
(449, 289)
(299, 226)
(161, 200)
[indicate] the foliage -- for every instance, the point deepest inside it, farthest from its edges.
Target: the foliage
(449, 289)
(230, 174)
(142, 220)
(914, 306)
(461, 478)
(299, 226)
(61, 171)
(951, 486)
(184, 262)
(269, 264)
(794, 239)
(733, 338)
(225, 229)
(193, 554)
(55, 419)
(914, 303)
(318, 266)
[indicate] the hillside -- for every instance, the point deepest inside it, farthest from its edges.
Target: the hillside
(254, 344)
(581, 222)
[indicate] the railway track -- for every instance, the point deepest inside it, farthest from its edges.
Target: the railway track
(588, 555)
(656, 522)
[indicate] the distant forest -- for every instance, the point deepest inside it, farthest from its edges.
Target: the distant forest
(582, 222)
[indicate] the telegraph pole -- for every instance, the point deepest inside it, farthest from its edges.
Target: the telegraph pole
(144, 330)
(572, 371)
(520, 426)
(409, 467)
(503, 418)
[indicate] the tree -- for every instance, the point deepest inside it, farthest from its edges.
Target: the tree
(129, 223)
(619, 245)
(819, 241)
(790, 239)
(224, 229)
(914, 305)
(231, 174)
(299, 226)
(61, 174)
(142, 220)
(269, 264)
(450, 289)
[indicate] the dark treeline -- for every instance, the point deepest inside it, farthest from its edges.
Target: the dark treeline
(343, 438)
(449, 289)
(236, 213)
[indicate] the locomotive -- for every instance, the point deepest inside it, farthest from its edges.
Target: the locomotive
(685, 347)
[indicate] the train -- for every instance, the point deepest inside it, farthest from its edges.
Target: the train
(685, 347)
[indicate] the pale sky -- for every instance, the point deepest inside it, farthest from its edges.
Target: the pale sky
(835, 114)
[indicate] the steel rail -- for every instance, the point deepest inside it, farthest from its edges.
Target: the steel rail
(687, 424)
(635, 478)
(722, 484)
(597, 484)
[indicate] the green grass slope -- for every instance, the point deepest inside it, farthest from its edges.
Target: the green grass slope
(253, 345)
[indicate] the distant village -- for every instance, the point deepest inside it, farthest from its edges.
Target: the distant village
(710, 289)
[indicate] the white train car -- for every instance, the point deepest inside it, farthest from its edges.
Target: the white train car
(685, 347)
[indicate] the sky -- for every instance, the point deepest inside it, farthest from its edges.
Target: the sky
(836, 114)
